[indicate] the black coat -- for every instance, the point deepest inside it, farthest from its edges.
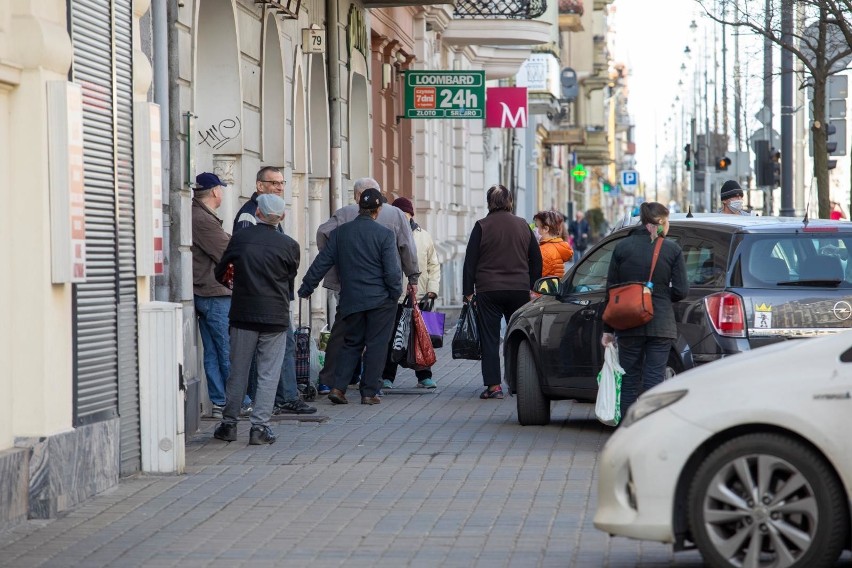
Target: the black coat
(367, 261)
(631, 262)
(265, 264)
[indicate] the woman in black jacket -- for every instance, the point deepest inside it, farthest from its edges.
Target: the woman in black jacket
(644, 350)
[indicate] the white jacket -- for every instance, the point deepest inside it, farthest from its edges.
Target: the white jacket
(427, 259)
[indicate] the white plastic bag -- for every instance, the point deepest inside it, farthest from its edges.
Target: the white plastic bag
(608, 404)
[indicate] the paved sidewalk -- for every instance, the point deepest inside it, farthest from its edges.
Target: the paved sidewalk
(438, 479)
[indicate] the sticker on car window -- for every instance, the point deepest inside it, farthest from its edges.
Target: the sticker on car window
(762, 316)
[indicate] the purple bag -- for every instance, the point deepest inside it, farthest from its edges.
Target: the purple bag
(435, 326)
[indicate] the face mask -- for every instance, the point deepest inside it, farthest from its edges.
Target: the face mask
(537, 234)
(736, 204)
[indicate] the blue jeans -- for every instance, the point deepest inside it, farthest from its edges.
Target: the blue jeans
(287, 389)
(644, 362)
(213, 323)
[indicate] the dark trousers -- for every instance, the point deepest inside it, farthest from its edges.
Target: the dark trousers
(644, 362)
(390, 366)
(490, 308)
(366, 332)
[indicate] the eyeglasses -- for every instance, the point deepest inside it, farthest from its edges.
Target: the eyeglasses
(275, 183)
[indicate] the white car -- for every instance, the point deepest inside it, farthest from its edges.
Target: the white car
(749, 459)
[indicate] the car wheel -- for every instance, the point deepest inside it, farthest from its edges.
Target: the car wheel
(673, 367)
(767, 500)
(533, 406)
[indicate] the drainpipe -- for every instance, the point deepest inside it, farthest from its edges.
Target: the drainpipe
(336, 179)
(172, 197)
(160, 27)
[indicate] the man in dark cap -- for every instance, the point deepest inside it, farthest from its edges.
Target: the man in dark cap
(212, 299)
(367, 260)
(732, 199)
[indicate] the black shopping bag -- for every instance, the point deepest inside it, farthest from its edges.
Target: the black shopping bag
(466, 338)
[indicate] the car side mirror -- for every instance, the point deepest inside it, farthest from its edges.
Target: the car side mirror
(550, 286)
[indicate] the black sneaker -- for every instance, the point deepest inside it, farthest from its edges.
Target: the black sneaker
(246, 410)
(261, 435)
(293, 407)
(226, 432)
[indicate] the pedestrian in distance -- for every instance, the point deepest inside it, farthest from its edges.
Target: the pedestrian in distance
(555, 252)
(265, 262)
(212, 300)
(428, 282)
(270, 181)
(389, 217)
(731, 195)
(644, 351)
(501, 264)
(836, 213)
(579, 231)
(367, 260)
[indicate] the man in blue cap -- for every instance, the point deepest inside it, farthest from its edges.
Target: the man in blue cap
(212, 299)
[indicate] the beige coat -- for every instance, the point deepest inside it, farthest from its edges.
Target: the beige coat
(427, 259)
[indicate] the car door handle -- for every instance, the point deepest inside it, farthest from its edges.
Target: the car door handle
(588, 314)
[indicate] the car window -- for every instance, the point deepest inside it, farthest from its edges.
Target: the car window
(590, 275)
(787, 260)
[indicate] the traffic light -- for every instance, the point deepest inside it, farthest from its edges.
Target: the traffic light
(831, 143)
(687, 161)
(722, 164)
(776, 168)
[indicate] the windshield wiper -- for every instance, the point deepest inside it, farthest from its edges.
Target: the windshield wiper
(825, 282)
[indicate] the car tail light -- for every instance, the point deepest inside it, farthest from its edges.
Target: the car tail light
(726, 313)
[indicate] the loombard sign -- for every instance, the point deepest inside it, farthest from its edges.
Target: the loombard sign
(445, 94)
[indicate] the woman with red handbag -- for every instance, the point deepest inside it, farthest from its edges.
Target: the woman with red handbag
(644, 350)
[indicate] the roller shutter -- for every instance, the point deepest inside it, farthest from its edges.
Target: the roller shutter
(105, 365)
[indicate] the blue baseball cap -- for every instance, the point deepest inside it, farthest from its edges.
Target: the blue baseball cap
(207, 180)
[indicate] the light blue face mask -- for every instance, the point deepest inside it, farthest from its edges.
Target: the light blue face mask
(736, 204)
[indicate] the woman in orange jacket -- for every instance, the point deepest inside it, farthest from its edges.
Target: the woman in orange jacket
(555, 252)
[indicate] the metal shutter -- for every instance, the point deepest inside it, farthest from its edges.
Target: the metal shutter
(105, 363)
(128, 373)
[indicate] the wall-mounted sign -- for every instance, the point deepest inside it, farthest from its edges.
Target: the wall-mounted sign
(445, 94)
(506, 107)
(313, 40)
(570, 86)
(579, 173)
(540, 74)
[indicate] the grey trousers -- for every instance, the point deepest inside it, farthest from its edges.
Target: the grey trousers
(269, 347)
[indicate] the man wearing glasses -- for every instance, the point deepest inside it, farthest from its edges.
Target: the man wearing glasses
(270, 180)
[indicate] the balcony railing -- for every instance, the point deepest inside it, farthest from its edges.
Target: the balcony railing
(500, 9)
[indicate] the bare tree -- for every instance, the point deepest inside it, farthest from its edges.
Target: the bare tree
(814, 47)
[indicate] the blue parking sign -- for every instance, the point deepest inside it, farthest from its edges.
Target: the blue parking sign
(629, 178)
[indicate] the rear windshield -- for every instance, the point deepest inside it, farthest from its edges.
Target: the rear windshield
(805, 259)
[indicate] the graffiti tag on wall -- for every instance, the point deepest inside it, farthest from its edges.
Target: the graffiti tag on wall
(220, 134)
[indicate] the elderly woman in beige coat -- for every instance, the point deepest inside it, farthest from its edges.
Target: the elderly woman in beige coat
(427, 284)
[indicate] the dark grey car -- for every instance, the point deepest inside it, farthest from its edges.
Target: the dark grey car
(753, 281)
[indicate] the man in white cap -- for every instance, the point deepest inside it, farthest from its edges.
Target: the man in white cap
(731, 195)
(265, 263)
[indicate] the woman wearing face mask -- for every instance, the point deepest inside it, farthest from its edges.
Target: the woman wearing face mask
(555, 252)
(644, 351)
(732, 199)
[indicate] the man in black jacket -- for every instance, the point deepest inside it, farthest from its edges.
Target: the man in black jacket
(367, 261)
(270, 180)
(265, 264)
